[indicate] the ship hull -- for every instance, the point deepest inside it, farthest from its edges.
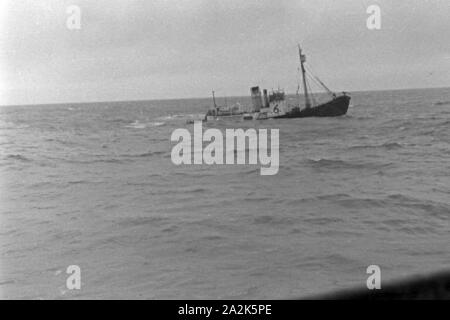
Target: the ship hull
(334, 108)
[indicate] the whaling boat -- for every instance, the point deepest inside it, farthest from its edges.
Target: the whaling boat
(218, 111)
(276, 106)
(224, 111)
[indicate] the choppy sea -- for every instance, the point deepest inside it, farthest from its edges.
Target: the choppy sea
(93, 185)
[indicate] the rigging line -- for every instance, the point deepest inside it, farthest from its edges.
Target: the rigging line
(309, 69)
(320, 83)
(315, 95)
(314, 80)
(317, 83)
(311, 94)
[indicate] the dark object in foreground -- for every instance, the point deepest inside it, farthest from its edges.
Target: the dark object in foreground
(430, 287)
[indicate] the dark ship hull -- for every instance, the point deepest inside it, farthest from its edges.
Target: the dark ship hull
(334, 108)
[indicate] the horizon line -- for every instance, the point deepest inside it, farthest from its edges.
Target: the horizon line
(194, 98)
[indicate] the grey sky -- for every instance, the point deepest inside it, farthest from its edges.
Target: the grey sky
(131, 50)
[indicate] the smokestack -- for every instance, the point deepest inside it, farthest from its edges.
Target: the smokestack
(256, 99)
(266, 99)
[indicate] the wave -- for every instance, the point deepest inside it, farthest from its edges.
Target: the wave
(324, 261)
(120, 121)
(387, 145)
(136, 125)
(442, 103)
(156, 124)
(119, 159)
(323, 163)
(122, 158)
(399, 201)
(139, 221)
(5, 125)
(274, 220)
(145, 154)
(175, 116)
(17, 157)
(353, 117)
(142, 125)
(301, 201)
(431, 207)
(75, 182)
(445, 123)
(391, 145)
(411, 205)
(108, 160)
(258, 199)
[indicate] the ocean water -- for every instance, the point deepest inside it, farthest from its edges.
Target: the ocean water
(93, 185)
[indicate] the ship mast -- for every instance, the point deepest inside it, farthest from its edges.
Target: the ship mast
(305, 87)
(214, 100)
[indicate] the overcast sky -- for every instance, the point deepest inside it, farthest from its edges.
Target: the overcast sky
(155, 49)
